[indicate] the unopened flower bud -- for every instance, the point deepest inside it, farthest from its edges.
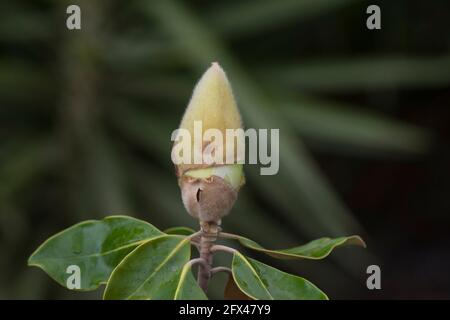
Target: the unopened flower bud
(209, 189)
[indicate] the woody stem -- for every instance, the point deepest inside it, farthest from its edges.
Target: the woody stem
(207, 239)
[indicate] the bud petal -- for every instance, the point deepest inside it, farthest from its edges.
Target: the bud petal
(212, 103)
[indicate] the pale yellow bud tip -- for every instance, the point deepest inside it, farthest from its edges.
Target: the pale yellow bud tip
(209, 189)
(213, 103)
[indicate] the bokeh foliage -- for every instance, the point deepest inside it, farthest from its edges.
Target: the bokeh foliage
(86, 116)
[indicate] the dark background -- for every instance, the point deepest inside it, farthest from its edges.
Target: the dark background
(86, 118)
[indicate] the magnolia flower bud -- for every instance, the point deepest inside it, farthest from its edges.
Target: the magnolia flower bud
(209, 190)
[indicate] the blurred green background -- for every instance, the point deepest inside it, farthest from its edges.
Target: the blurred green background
(86, 118)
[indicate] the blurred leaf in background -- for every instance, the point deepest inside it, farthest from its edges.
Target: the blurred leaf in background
(86, 117)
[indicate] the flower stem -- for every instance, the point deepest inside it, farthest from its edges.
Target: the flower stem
(198, 261)
(220, 269)
(218, 247)
(208, 236)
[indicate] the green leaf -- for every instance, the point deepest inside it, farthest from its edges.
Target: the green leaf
(315, 250)
(187, 288)
(182, 231)
(95, 246)
(260, 281)
(232, 291)
(155, 270)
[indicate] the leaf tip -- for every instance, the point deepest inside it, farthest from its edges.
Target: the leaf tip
(357, 241)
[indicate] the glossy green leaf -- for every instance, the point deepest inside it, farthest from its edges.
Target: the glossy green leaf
(187, 288)
(182, 231)
(95, 246)
(155, 270)
(260, 281)
(315, 250)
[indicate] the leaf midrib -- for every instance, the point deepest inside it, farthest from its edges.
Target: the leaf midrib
(166, 259)
(101, 253)
(288, 254)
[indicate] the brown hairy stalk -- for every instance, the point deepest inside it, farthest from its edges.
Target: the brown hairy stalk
(210, 231)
